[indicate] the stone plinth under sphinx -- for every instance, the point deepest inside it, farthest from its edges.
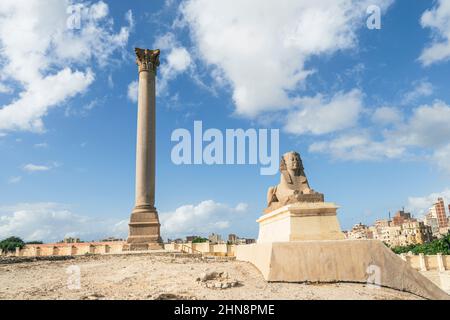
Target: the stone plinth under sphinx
(300, 221)
(144, 226)
(294, 210)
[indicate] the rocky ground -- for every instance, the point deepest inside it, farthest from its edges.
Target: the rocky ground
(162, 276)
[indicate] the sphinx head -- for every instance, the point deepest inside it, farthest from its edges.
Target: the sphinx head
(291, 161)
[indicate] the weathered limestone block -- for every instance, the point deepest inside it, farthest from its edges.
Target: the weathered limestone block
(301, 221)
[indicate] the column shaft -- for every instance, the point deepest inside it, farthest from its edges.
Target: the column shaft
(145, 147)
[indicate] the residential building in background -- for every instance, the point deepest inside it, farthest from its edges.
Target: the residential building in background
(215, 238)
(401, 217)
(437, 218)
(432, 222)
(232, 238)
(441, 214)
(401, 230)
(71, 240)
(415, 232)
(391, 235)
(360, 231)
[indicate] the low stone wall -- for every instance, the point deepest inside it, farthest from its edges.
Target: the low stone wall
(422, 262)
(418, 262)
(68, 249)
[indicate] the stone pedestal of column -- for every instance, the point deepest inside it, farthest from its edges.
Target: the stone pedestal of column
(144, 229)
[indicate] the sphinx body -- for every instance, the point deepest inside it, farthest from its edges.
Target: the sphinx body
(293, 186)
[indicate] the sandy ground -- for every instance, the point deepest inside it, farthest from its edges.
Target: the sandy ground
(161, 276)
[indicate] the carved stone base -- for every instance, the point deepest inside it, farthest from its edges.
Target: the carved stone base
(144, 230)
(300, 221)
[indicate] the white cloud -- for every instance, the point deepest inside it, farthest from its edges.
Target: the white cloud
(41, 145)
(427, 127)
(421, 89)
(441, 157)
(318, 116)
(5, 89)
(208, 216)
(261, 49)
(357, 146)
(387, 115)
(27, 112)
(42, 55)
(14, 180)
(438, 20)
(178, 59)
(175, 62)
(52, 222)
(133, 91)
(36, 168)
(420, 205)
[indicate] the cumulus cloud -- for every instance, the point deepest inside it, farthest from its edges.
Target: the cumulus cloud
(205, 217)
(441, 157)
(357, 146)
(14, 180)
(176, 61)
(421, 89)
(35, 168)
(427, 128)
(41, 145)
(52, 222)
(133, 91)
(5, 89)
(387, 115)
(261, 49)
(438, 20)
(43, 56)
(420, 205)
(319, 116)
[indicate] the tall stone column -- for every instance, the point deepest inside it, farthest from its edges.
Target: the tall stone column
(144, 226)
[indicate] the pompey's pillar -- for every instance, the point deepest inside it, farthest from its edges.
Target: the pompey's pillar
(144, 226)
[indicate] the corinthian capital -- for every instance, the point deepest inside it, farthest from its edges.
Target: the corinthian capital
(147, 60)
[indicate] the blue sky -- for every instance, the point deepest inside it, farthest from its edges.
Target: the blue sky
(368, 109)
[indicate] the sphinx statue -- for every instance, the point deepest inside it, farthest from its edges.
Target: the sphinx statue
(293, 186)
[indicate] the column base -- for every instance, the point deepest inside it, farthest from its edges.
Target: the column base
(144, 230)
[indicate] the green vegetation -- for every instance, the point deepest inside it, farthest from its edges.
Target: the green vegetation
(34, 242)
(10, 244)
(199, 240)
(436, 246)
